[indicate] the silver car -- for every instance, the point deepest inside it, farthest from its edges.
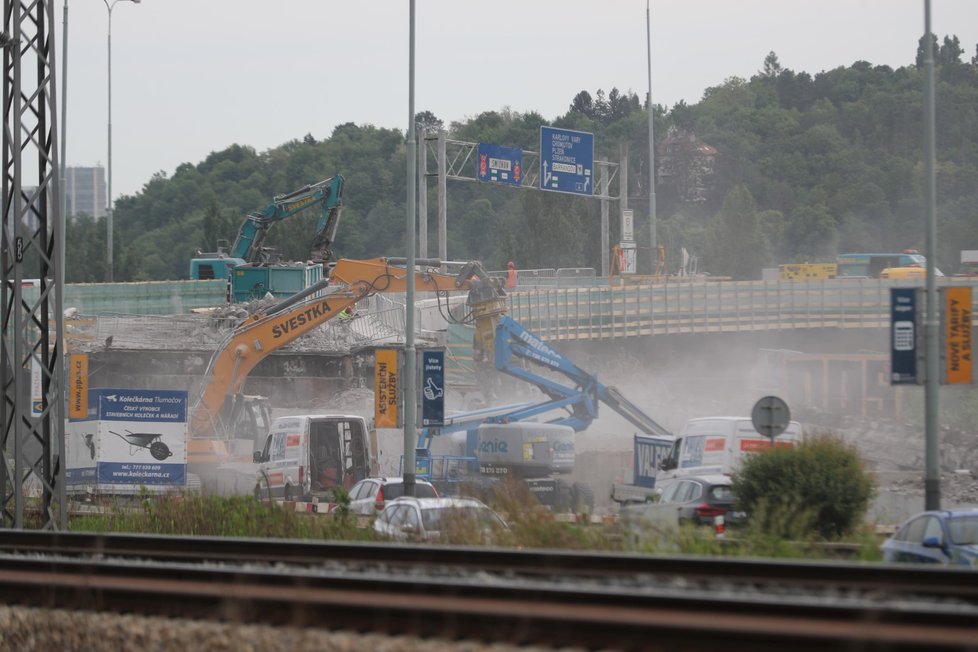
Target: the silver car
(424, 519)
(369, 496)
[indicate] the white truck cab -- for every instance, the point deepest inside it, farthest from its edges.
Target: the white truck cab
(307, 456)
(715, 445)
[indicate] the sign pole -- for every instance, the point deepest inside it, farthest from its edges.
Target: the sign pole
(410, 363)
(932, 481)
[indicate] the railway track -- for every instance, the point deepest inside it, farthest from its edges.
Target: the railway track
(536, 597)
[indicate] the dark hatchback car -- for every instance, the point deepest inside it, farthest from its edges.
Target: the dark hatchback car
(700, 499)
(948, 536)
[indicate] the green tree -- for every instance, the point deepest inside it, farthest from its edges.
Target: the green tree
(582, 103)
(950, 52)
(772, 67)
(552, 235)
(738, 247)
(812, 231)
(217, 226)
(819, 485)
(428, 122)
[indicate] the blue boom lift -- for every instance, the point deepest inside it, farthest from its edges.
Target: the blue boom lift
(503, 441)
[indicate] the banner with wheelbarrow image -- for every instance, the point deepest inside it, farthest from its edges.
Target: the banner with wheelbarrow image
(142, 453)
(134, 438)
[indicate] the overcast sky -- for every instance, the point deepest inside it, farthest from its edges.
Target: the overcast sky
(190, 77)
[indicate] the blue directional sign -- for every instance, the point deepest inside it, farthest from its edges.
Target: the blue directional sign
(566, 161)
(903, 336)
(499, 164)
(432, 388)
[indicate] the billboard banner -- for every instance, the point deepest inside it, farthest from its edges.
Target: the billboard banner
(78, 386)
(385, 389)
(140, 436)
(648, 451)
(432, 388)
(80, 453)
(957, 335)
(904, 324)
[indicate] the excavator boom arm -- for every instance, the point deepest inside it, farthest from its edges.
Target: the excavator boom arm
(260, 335)
(328, 194)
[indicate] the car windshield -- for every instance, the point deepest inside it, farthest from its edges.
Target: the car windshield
(434, 517)
(964, 530)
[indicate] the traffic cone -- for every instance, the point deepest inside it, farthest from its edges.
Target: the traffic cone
(718, 526)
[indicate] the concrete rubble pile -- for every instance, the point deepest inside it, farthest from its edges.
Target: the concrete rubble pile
(207, 331)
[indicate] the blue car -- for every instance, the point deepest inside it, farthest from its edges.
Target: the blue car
(948, 536)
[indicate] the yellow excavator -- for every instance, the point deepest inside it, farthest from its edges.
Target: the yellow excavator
(221, 406)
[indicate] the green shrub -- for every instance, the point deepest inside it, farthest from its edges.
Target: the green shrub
(816, 488)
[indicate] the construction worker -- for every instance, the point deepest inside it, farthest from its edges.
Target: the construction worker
(347, 314)
(510, 275)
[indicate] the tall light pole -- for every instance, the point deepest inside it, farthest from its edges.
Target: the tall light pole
(932, 453)
(410, 362)
(108, 198)
(654, 242)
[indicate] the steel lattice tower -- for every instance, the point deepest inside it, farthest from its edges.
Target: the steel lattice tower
(32, 367)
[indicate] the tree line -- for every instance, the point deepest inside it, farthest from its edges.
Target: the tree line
(798, 167)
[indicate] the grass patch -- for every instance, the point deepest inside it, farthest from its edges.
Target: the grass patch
(530, 526)
(195, 514)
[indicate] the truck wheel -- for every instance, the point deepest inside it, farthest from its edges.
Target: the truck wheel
(582, 498)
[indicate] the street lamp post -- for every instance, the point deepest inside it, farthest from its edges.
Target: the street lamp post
(108, 200)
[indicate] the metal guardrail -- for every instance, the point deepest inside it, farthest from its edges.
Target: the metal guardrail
(551, 277)
(588, 313)
(567, 273)
(589, 310)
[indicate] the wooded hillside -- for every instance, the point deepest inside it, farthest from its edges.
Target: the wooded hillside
(783, 167)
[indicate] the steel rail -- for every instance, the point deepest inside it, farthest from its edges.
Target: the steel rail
(556, 612)
(887, 578)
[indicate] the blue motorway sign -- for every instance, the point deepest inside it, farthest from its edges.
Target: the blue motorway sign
(903, 336)
(432, 388)
(566, 161)
(499, 164)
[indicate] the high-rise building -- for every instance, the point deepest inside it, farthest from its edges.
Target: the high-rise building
(85, 191)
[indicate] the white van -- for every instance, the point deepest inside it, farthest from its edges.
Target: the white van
(715, 445)
(307, 456)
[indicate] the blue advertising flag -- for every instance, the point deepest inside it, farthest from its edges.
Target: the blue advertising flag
(903, 336)
(432, 388)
